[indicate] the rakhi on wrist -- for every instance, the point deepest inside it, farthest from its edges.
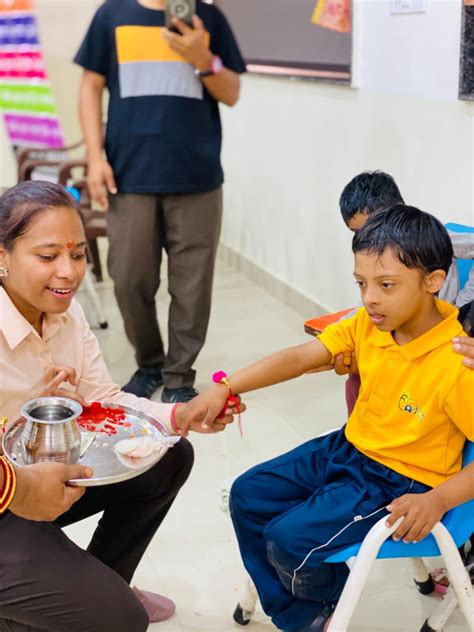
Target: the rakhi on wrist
(220, 377)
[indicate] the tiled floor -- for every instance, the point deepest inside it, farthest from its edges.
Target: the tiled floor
(194, 558)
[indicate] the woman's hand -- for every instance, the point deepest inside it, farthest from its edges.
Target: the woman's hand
(201, 413)
(420, 514)
(49, 385)
(42, 492)
(465, 346)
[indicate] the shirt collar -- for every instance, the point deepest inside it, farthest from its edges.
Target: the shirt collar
(443, 332)
(16, 328)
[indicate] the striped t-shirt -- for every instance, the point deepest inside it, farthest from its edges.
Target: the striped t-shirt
(163, 130)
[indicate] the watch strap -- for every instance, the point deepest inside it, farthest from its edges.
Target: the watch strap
(216, 67)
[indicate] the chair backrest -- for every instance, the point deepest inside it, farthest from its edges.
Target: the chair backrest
(459, 522)
(463, 265)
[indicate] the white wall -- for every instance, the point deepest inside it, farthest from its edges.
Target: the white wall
(414, 54)
(290, 147)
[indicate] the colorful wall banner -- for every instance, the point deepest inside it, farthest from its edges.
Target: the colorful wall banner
(26, 98)
(333, 14)
(16, 5)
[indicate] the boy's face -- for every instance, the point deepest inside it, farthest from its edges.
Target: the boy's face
(356, 222)
(394, 296)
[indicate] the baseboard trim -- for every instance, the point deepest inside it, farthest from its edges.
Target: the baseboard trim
(294, 299)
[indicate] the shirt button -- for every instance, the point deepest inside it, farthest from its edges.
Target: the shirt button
(390, 364)
(45, 354)
(381, 391)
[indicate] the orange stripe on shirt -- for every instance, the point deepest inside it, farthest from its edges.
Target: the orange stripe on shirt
(145, 43)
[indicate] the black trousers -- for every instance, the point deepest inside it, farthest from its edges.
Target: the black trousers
(47, 583)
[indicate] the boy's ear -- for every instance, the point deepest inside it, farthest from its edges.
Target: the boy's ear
(434, 281)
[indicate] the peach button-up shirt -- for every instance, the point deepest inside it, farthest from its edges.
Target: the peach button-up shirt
(66, 340)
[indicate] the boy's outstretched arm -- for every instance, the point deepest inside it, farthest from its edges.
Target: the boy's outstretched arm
(279, 367)
(422, 511)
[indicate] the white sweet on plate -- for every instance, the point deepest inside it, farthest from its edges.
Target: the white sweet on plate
(138, 448)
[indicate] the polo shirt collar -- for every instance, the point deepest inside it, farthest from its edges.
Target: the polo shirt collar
(443, 332)
(16, 328)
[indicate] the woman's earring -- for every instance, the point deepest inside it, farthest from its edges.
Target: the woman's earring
(3, 270)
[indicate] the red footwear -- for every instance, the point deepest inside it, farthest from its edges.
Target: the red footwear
(440, 579)
(159, 608)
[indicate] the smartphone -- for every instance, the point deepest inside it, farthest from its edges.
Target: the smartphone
(182, 9)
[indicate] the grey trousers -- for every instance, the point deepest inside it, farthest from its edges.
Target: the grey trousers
(49, 584)
(187, 227)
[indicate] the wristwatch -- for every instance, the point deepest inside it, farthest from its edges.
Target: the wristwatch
(216, 67)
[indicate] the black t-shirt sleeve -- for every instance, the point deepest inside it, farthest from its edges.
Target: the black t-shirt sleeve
(224, 44)
(95, 51)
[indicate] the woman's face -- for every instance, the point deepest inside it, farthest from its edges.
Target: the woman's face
(47, 264)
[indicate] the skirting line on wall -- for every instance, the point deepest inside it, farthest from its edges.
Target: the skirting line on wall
(277, 288)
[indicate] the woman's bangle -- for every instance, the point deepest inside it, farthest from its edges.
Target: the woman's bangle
(173, 422)
(9, 484)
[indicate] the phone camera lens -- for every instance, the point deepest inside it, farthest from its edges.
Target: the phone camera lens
(180, 9)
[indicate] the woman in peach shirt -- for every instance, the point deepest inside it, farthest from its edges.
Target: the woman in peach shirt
(47, 348)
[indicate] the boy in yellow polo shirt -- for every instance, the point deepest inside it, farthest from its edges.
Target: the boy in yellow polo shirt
(403, 440)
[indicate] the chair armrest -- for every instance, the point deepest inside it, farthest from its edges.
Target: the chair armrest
(28, 166)
(41, 153)
(370, 545)
(65, 171)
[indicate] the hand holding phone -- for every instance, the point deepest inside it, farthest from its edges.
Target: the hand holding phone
(182, 9)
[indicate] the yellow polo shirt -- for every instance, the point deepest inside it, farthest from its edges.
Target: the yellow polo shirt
(416, 403)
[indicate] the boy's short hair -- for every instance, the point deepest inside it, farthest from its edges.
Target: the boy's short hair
(369, 192)
(418, 239)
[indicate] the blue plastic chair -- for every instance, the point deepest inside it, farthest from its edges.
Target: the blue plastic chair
(452, 532)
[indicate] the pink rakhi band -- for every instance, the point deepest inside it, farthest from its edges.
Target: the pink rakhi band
(220, 377)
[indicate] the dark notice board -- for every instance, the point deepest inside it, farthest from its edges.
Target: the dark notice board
(466, 79)
(277, 37)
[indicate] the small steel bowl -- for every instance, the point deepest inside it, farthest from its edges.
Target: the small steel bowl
(51, 432)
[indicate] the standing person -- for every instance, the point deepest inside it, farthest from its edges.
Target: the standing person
(47, 349)
(162, 171)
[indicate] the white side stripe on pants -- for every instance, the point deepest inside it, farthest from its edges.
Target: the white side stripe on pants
(322, 546)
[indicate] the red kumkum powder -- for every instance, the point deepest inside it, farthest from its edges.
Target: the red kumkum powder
(106, 420)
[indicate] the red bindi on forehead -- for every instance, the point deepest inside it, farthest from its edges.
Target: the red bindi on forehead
(70, 244)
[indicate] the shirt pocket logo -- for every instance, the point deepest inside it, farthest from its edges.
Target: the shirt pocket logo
(407, 404)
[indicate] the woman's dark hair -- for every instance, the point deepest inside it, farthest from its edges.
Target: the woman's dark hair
(368, 192)
(23, 202)
(417, 238)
